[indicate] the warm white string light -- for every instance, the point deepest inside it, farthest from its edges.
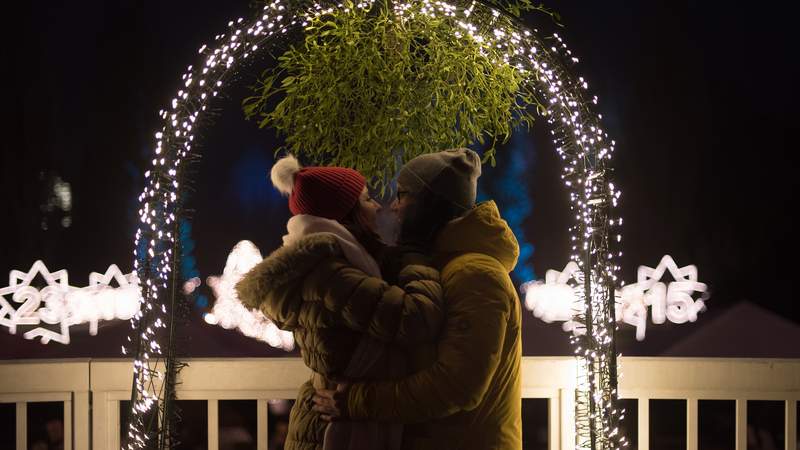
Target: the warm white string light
(581, 143)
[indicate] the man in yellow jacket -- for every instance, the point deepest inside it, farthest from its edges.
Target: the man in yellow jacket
(470, 397)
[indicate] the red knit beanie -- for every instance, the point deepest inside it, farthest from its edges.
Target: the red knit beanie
(329, 192)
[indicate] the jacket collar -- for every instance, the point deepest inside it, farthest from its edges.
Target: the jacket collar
(304, 225)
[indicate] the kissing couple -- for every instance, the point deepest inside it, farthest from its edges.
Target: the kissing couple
(411, 346)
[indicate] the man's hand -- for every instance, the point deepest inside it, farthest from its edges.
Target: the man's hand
(331, 405)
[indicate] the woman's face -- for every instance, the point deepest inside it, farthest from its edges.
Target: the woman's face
(369, 208)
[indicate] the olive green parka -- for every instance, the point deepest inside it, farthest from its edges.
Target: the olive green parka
(470, 397)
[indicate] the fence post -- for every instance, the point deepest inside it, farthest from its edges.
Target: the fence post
(22, 426)
(791, 424)
(644, 423)
(554, 423)
(100, 420)
(741, 424)
(262, 426)
(567, 406)
(80, 420)
(68, 424)
(213, 424)
(691, 424)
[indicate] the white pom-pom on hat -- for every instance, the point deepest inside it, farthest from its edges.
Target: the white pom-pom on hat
(283, 173)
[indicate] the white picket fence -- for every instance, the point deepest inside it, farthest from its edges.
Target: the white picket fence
(92, 389)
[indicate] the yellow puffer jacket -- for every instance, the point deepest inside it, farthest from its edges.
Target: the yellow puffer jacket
(309, 288)
(470, 398)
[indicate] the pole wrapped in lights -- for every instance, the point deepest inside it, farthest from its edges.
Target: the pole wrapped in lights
(579, 138)
(152, 342)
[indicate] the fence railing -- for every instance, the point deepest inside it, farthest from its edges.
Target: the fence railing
(91, 392)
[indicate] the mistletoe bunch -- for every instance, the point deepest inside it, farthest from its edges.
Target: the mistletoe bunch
(373, 88)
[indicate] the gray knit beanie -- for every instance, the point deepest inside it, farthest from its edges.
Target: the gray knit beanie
(452, 174)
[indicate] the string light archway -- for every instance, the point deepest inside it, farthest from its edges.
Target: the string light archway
(579, 139)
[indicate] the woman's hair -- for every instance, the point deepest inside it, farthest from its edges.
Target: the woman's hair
(356, 223)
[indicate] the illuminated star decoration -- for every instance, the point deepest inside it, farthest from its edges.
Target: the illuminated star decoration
(64, 304)
(21, 291)
(100, 301)
(673, 301)
(228, 311)
(556, 300)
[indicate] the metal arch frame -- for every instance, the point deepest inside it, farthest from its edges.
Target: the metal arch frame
(577, 134)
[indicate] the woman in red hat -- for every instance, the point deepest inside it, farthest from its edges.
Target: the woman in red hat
(325, 285)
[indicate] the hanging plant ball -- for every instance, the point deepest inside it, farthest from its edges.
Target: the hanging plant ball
(371, 88)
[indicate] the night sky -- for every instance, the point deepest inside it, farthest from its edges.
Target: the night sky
(700, 98)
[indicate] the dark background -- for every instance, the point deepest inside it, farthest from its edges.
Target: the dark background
(700, 98)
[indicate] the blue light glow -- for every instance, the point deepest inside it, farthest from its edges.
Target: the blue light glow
(189, 262)
(507, 184)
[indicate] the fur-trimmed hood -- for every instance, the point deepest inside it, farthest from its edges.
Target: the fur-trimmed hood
(302, 225)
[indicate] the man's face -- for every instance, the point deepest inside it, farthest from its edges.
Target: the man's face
(401, 203)
(411, 219)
